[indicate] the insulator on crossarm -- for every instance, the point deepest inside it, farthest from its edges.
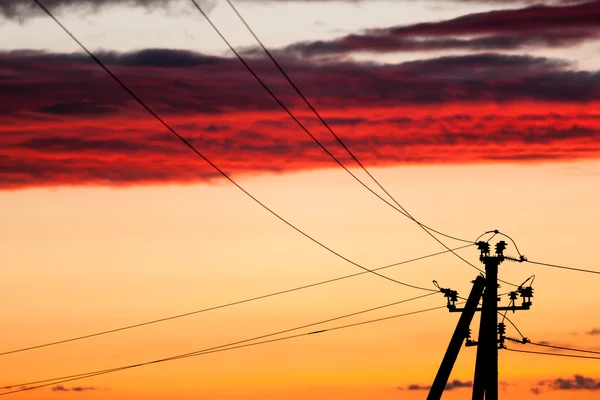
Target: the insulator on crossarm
(501, 328)
(500, 246)
(526, 294)
(484, 247)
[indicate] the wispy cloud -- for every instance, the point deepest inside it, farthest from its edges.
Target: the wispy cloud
(451, 385)
(530, 27)
(578, 382)
(61, 388)
(25, 9)
(66, 123)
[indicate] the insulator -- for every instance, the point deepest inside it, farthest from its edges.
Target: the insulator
(501, 329)
(513, 296)
(500, 246)
(484, 247)
(526, 292)
(453, 296)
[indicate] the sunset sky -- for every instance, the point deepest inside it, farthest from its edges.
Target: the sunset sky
(474, 115)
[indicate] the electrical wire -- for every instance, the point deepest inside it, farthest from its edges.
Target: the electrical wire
(526, 341)
(106, 332)
(513, 242)
(401, 209)
(227, 347)
(219, 170)
(589, 271)
(515, 326)
(563, 348)
(495, 232)
(247, 340)
(552, 354)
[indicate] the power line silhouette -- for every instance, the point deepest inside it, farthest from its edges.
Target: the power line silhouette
(208, 161)
(239, 302)
(241, 59)
(229, 346)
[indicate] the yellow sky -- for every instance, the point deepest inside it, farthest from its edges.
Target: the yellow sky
(78, 260)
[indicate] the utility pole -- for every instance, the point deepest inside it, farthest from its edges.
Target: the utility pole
(460, 334)
(491, 333)
(486, 364)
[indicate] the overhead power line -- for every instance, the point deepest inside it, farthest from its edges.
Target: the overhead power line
(526, 341)
(187, 314)
(241, 59)
(562, 348)
(552, 354)
(230, 346)
(589, 271)
(400, 209)
(212, 164)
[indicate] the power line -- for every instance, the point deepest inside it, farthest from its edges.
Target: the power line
(525, 341)
(563, 348)
(219, 170)
(222, 348)
(251, 339)
(513, 242)
(106, 332)
(401, 209)
(589, 271)
(552, 354)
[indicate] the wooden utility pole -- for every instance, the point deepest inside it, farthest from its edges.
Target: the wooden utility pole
(460, 334)
(486, 364)
(491, 333)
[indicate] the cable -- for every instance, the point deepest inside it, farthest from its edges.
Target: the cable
(563, 267)
(495, 232)
(527, 341)
(563, 348)
(552, 354)
(219, 170)
(513, 242)
(515, 326)
(401, 209)
(245, 340)
(227, 347)
(222, 305)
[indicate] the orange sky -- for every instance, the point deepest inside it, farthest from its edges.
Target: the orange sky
(474, 115)
(82, 260)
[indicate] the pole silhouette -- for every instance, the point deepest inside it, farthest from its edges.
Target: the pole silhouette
(491, 333)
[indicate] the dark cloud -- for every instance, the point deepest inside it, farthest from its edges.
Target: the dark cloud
(594, 331)
(61, 388)
(451, 385)
(66, 123)
(537, 26)
(23, 9)
(578, 382)
(43, 85)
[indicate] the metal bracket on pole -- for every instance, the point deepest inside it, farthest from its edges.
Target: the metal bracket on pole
(460, 334)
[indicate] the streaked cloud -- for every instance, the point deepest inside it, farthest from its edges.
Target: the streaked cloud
(24, 9)
(66, 123)
(530, 27)
(61, 388)
(577, 383)
(451, 385)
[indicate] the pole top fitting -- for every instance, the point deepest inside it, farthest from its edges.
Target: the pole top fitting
(500, 246)
(484, 247)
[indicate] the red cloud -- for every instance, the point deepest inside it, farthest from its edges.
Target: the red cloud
(65, 123)
(536, 26)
